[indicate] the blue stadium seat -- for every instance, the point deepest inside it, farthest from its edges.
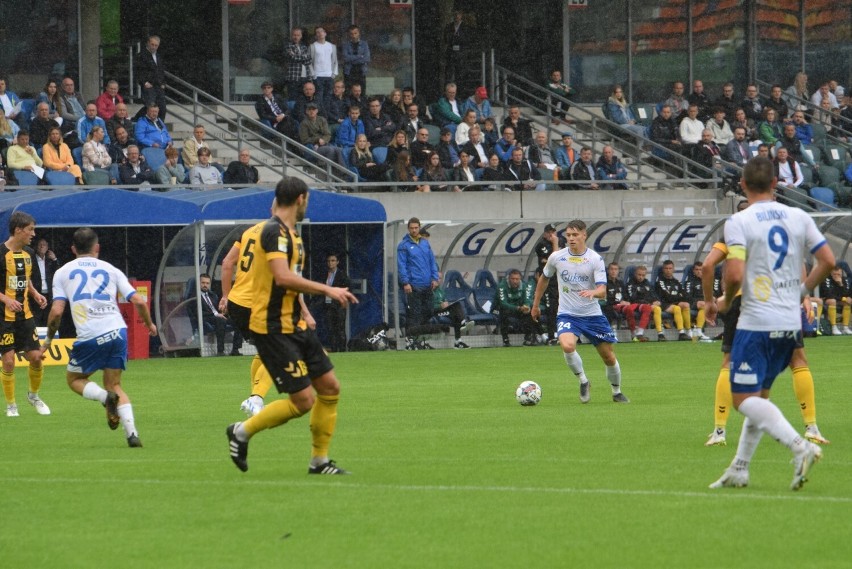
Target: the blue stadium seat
(380, 154)
(824, 198)
(57, 178)
(434, 134)
(26, 178)
(155, 157)
(484, 291)
(77, 154)
(27, 108)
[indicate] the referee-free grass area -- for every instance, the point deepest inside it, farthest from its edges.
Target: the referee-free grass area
(448, 470)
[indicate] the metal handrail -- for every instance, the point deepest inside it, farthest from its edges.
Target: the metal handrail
(203, 105)
(596, 123)
(318, 167)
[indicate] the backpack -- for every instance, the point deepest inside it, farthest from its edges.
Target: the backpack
(374, 339)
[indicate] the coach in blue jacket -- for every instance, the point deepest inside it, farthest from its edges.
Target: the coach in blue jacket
(418, 276)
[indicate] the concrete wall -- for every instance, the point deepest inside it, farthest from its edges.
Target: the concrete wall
(551, 205)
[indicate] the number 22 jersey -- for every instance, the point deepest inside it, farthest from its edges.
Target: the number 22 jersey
(90, 285)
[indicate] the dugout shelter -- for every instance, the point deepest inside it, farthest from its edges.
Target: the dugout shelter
(171, 238)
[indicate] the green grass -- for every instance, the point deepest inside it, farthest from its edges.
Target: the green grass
(449, 471)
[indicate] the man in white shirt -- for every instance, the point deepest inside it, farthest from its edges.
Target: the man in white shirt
(690, 127)
(767, 247)
(91, 286)
(582, 281)
(323, 66)
(824, 92)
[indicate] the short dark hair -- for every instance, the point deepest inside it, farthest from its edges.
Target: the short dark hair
(23, 132)
(413, 220)
(513, 272)
(577, 224)
(289, 189)
(668, 262)
(204, 276)
(19, 220)
(85, 240)
(758, 174)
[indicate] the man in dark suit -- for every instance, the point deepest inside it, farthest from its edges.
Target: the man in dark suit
(272, 109)
(150, 70)
(335, 314)
(47, 265)
(215, 321)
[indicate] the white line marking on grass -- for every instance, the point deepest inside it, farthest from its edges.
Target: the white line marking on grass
(740, 494)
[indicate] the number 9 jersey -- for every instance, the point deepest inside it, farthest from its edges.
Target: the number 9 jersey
(90, 285)
(772, 239)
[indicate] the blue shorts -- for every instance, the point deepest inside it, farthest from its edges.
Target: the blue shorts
(595, 328)
(758, 357)
(107, 351)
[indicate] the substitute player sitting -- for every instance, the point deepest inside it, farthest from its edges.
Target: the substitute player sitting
(582, 281)
(91, 285)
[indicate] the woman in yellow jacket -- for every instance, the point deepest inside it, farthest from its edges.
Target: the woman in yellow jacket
(57, 155)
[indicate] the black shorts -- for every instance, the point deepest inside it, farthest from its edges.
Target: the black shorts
(19, 336)
(240, 317)
(731, 318)
(293, 360)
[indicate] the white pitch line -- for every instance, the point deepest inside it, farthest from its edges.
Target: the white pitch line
(737, 494)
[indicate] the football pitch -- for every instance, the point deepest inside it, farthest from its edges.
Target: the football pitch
(448, 470)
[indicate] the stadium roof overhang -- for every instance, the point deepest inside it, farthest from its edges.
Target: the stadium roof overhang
(111, 207)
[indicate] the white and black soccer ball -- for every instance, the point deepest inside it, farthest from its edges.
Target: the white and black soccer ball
(528, 393)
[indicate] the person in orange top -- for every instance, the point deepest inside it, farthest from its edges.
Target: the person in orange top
(57, 155)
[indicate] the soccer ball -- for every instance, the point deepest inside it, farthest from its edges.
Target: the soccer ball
(528, 393)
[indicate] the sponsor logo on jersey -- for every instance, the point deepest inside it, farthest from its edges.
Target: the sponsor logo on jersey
(762, 288)
(15, 283)
(283, 244)
(574, 278)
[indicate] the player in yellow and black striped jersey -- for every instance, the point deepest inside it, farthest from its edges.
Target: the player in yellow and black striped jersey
(289, 350)
(17, 327)
(236, 302)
